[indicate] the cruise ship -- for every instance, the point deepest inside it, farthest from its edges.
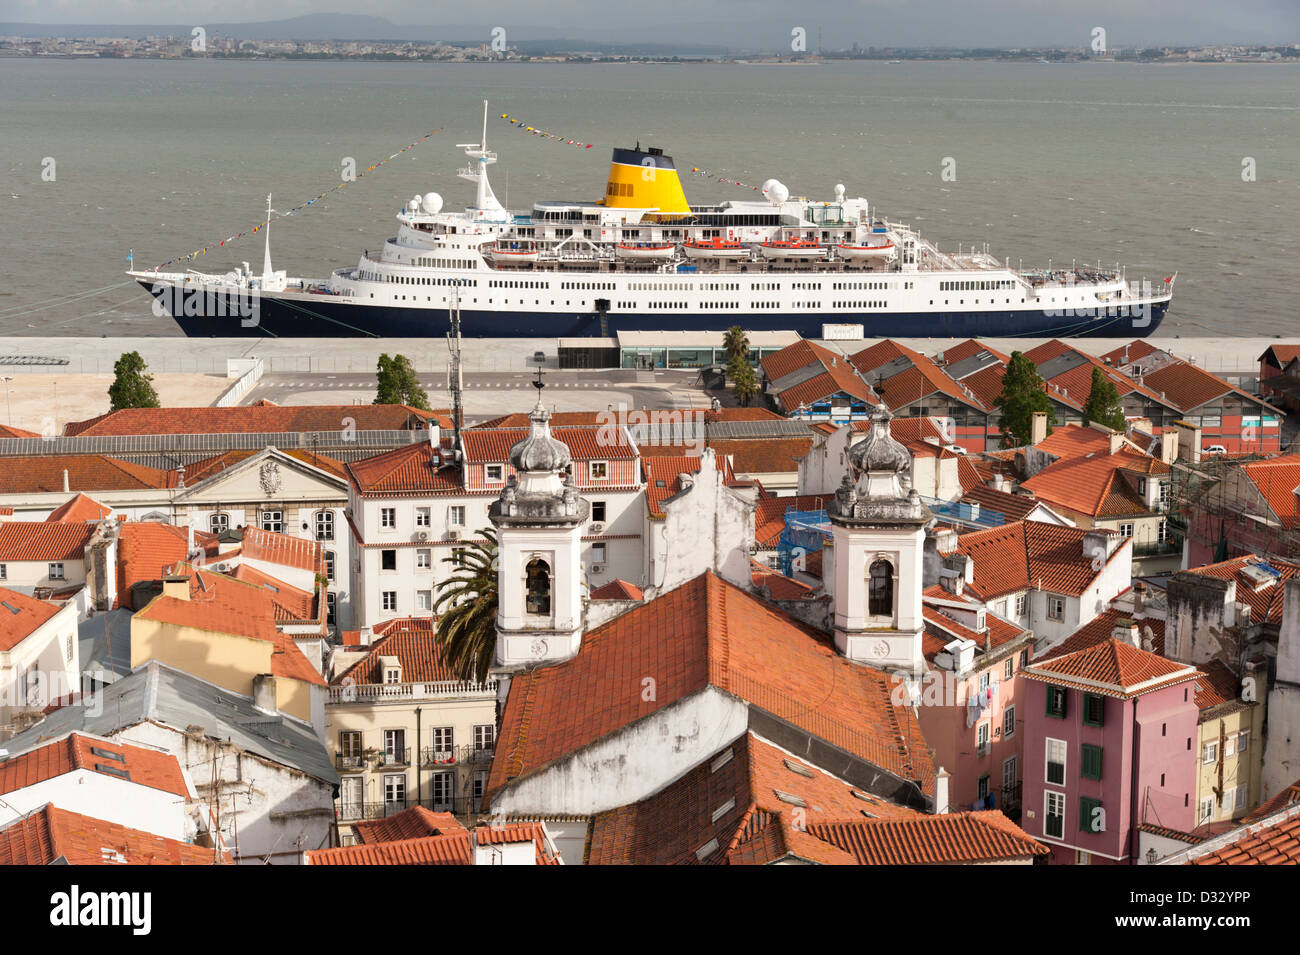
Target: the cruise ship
(641, 258)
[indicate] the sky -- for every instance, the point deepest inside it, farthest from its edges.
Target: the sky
(764, 24)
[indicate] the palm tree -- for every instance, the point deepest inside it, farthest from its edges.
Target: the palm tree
(735, 344)
(467, 632)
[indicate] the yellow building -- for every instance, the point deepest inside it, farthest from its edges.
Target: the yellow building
(1229, 744)
(222, 630)
(406, 732)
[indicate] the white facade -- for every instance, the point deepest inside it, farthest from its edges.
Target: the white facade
(706, 526)
(1282, 752)
(40, 668)
(91, 793)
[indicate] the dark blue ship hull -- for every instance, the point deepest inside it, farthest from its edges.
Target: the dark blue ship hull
(229, 315)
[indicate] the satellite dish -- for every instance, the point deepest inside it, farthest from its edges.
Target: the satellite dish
(432, 203)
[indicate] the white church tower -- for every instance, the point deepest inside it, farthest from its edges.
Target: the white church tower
(878, 524)
(539, 519)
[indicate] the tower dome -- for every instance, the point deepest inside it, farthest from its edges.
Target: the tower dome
(879, 451)
(540, 452)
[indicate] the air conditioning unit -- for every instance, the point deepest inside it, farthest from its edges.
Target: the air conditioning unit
(597, 568)
(453, 534)
(422, 535)
(598, 528)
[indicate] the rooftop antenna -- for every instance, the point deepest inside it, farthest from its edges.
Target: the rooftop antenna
(455, 379)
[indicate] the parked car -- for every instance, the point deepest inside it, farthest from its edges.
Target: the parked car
(1215, 449)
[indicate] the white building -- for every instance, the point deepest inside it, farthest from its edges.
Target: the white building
(39, 657)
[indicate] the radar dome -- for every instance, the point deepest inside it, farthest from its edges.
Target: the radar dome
(775, 191)
(414, 204)
(432, 203)
(839, 192)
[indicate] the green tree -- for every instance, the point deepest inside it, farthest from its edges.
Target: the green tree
(1103, 405)
(131, 387)
(744, 382)
(1022, 395)
(398, 383)
(467, 631)
(735, 343)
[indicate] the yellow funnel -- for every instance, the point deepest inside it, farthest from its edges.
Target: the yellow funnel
(645, 179)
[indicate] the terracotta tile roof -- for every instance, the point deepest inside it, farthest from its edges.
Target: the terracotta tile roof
(1071, 387)
(795, 357)
(79, 509)
(447, 848)
(1110, 667)
(1265, 603)
(1218, 685)
(922, 378)
(778, 585)
(492, 445)
(706, 632)
(1287, 797)
(86, 472)
(222, 604)
(881, 353)
(8, 431)
(769, 516)
(415, 644)
(414, 823)
(208, 467)
(146, 549)
(1135, 350)
(970, 347)
(662, 477)
(941, 628)
(147, 767)
(1282, 353)
(618, 590)
(1095, 485)
(986, 384)
(763, 456)
(673, 825)
(1021, 555)
(837, 375)
(1102, 627)
(1191, 838)
(1187, 387)
(263, 417)
(290, 604)
(1013, 507)
(967, 837)
(52, 834)
(283, 549)
(561, 419)
(16, 627)
(1273, 840)
(37, 540)
(402, 470)
(1277, 478)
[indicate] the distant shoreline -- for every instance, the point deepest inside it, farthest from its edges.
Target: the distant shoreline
(573, 60)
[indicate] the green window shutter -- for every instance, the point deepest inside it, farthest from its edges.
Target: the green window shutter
(1090, 762)
(1094, 709)
(1086, 807)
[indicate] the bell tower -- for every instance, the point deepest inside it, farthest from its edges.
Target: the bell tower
(539, 519)
(878, 523)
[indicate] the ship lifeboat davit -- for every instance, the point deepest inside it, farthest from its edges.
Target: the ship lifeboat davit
(513, 252)
(644, 250)
(715, 249)
(792, 249)
(857, 253)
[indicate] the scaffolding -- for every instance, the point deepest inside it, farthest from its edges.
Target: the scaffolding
(806, 532)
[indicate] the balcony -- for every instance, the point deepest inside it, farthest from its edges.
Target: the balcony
(1169, 547)
(1011, 799)
(451, 756)
(349, 763)
(982, 749)
(396, 757)
(402, 692)
(354, 811)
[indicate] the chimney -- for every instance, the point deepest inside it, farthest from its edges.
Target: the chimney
(1189, 441)
(1139, 599)
(1116, 441)
(1039, 429)
(941, 792)
(1169, 446)
(65, 481)
(1126, 631)
(264, 693)
(176, 585)
(1096, 545)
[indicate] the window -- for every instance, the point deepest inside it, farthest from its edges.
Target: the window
(1055, 607)
(324, 525)
(395, 747)
(442, 738)
(1020, 605)
(478, 785)
(329, 565)
(388, 517)
(351, 796)
(56, 570)
(1024, 659)
(388, 600)
(494, 473)
(485, 736)
(1009, 668)
(538, 587)
(982, 739)
(331, 606)
(219, 523)
(1056, 702)
(350, 748)
(1239, 798)
(983, 787)
(1091, 816)
(599, 470)
(1090, 761)
(1207, 809)
(598, 511)
(1054, 814)
(395, 791)
(1142, 486)
(984, 681)
(1009, 774)
(423, 558)
(1210, 752)
(392, 674)
(388, 559)
(1009, 721)
(442, 788)
(598, 553)
(1126, 529)
(880, 590)
(1094, 709)
(422, 518)
(271, 521)
(456, 515)
(1056, 761)
(424, 600)
(1229, 746)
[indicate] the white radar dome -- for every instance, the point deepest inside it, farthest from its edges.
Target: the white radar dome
(414, 204)
(432, 203)
(839, 192)
(775, 191)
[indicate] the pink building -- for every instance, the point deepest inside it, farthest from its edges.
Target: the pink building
(1110, 733)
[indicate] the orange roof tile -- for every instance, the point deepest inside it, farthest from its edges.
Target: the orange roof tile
(967, 837)
(618, 590)
(415, 644)
(1110, 667)
(263, 417)
(413, 823)
(1266, 602)
(1186, 387)
(79, 509)
(1274, 840)
(289, 603)
(778, 585)
(447, 848)
(205, 468)
(1095, 484)
(283, 549)
(38, 540)
(86, 472)
(663, 478)
(54, 834)
(9, 431)
(30, 614)
(146, 549)
(492, 445)
(1218, 685)
(1012, 507)
(407, 469)
(1287, 797)
(1102, 627)
(1277, 479)
(769, 516)
(146, 767)
(1024, 554)
(706, 632)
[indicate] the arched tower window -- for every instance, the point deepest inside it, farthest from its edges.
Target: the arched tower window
(880, 589)
(538, 586)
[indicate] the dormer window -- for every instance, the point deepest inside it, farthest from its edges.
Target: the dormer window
(392, 674)
(598, 470)
(494, 473)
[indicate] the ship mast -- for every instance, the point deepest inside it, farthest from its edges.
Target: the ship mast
(455, 382)
(266, 260)
(486, 205)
